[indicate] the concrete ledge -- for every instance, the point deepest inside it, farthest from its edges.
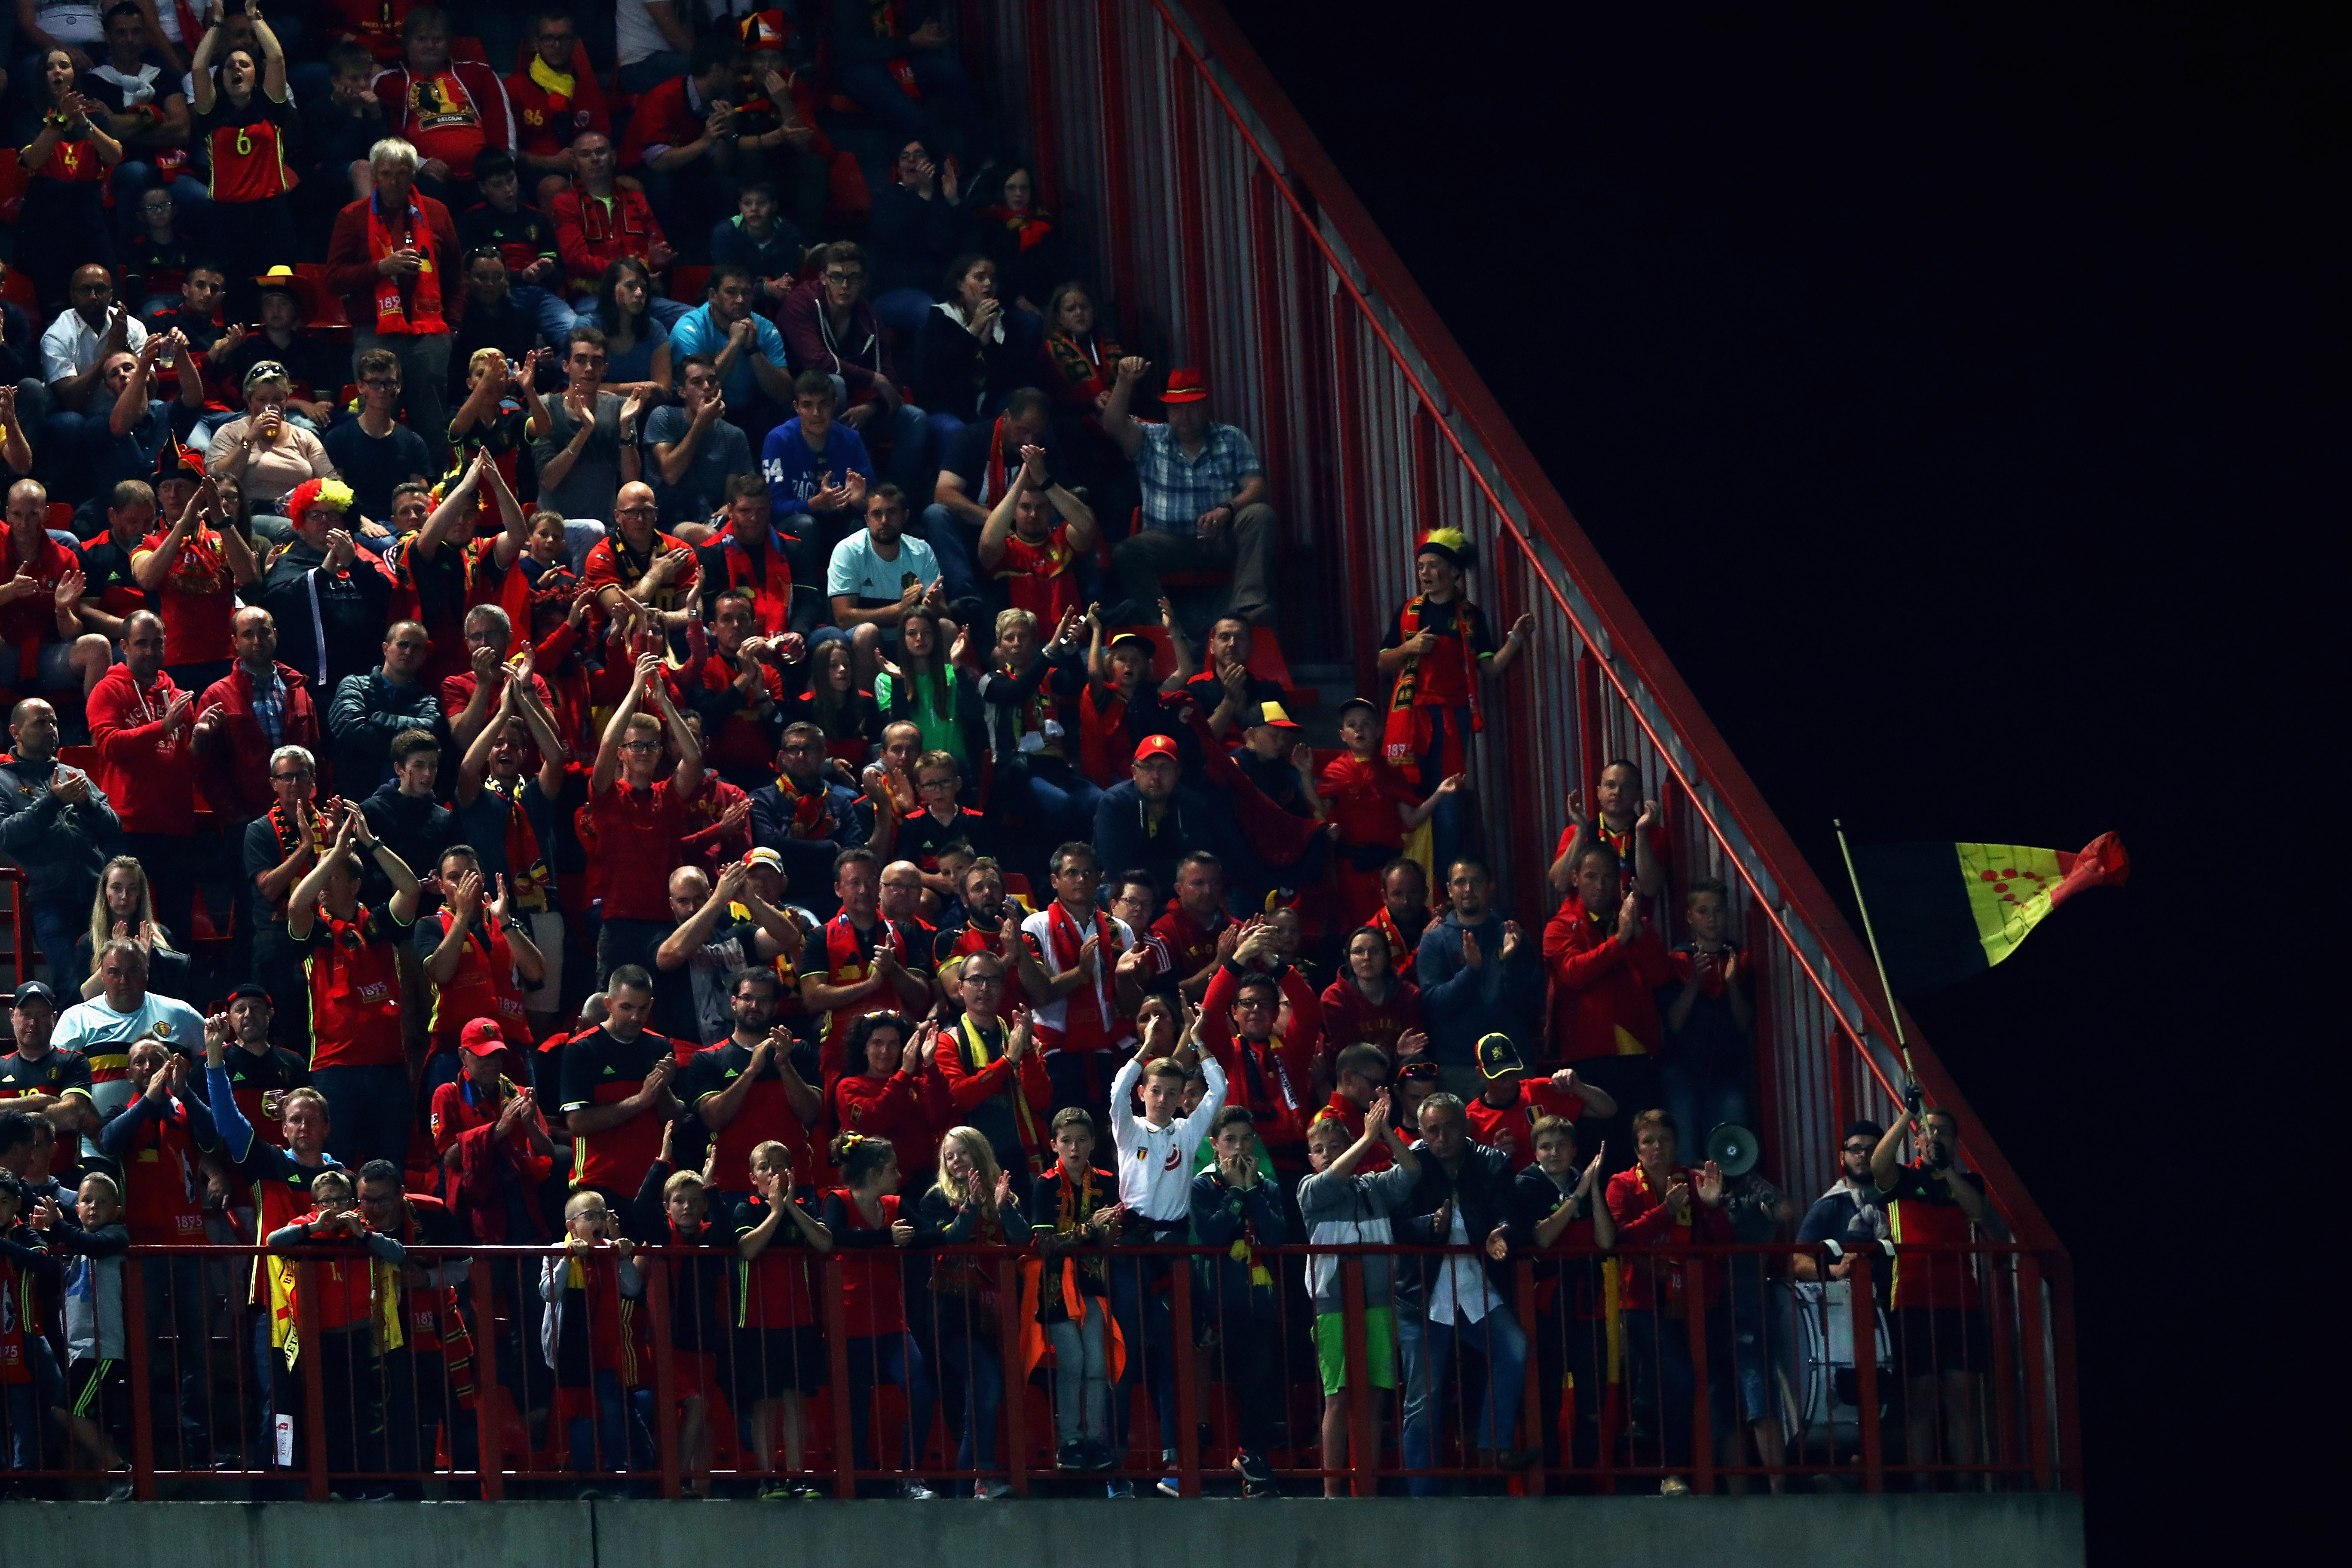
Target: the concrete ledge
(2018, 1531)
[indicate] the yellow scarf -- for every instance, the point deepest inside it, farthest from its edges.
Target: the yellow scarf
(556, 82)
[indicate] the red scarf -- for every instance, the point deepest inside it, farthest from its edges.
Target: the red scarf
(772, 589)
(1064, 941)
(809, 815)
(998, 477)
(1101, 731)
(1400, 952)
(422, 316)
(1083, 365)
(1033, 227)
(1407, 732)
(846, 963)
(292, 835)
(526, 873)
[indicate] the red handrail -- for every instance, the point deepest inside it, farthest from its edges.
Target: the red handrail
(1368, 282)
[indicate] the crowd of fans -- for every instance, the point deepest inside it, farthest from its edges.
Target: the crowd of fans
(592, 672)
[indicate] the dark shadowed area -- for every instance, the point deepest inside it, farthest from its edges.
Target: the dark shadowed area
(1958, 396)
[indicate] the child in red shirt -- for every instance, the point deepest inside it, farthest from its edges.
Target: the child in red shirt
(1375, 806)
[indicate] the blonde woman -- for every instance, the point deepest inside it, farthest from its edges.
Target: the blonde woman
(971, 1206)
(124, 907)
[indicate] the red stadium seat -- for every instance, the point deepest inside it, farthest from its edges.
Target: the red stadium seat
(468, 48)
(61, 515)
(690, 284)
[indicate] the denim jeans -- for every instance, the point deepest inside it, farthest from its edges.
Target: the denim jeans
(1148, 1326)
(1701, 1100)
(1428, 1345)
(947, 98)
(547, 307)
(891, 1359)
(955, 542)
(972, 1381)
(619, 1435)
(907, 429)
(902, 310)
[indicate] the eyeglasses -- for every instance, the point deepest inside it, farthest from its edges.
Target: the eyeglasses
(1859, 1149)
(984, 980)
(831, 277)
(636, 511)
(641, 745)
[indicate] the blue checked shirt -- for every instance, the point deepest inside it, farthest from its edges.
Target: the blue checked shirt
(1177, 489)
(269, 705)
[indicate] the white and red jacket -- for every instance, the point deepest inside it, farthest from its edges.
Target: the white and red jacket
(1087, 1019)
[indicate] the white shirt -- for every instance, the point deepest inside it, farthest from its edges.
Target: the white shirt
(1051, 1017)
(70, 347)
(635, 37)
(92, 1027)
(1461, 1286)
(1155, 1163)
(859, 572)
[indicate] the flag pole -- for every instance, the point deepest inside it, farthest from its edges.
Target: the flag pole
(1893, 1012)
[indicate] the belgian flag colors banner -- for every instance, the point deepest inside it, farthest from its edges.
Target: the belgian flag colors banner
(1942, 913)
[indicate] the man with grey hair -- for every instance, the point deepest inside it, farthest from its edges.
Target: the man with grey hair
(1462, 1199)
(471, 696)
(394, 257)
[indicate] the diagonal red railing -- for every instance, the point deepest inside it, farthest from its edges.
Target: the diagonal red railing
(1230, 241)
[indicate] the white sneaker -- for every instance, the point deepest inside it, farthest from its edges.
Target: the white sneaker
(995, 1487)
(1674, 1486)
(914, 1490)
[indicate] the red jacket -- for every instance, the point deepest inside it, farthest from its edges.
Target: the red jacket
(148, 776)
(350, 270)
(591, 235)
(1601, 985)
(662, 118)
(1644, 1222)
(1349, 1017)
(447, 138)
(896, 1108)
(1276, 1084)
(235, 754)
(545, 124)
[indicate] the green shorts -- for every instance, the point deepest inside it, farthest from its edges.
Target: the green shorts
(1379, 1348)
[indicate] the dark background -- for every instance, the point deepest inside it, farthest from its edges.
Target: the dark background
(1959, 398)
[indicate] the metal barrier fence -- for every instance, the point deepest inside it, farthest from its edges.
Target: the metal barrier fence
(1559, 1371)
(1227, 240)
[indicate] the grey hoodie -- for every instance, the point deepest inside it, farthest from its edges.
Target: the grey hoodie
(1344, 1211)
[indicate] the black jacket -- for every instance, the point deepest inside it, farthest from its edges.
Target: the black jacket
(1481, 1189)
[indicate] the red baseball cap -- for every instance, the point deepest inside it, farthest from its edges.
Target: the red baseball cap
(482, 1037)
(1185, 384)
(1156, 747)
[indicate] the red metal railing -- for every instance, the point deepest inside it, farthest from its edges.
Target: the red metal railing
(1597, 1408)
(1229, 241)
